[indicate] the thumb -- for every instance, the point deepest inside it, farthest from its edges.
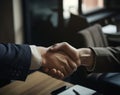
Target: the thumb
(56, 47)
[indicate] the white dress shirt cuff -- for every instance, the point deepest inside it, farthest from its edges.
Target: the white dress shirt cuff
(35, 58)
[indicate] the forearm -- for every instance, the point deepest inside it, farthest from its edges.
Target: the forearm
(100, 59)
(17, 60)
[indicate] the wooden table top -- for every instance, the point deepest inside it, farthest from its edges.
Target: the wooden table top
(36, 83)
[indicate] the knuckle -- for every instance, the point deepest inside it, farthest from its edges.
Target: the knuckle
(65, 43)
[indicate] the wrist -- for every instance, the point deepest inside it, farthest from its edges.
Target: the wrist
(35, 58)
(42, 51)
(86, 57)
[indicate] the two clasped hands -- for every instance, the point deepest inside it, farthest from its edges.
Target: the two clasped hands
(61, 59)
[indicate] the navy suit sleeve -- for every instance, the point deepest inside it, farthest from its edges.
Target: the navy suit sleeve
(14, 61)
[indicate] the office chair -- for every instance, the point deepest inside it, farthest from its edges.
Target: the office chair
(93, 37)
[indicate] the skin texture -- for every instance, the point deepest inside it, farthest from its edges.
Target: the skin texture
(62, 59)
(81, 56)
(57, 63)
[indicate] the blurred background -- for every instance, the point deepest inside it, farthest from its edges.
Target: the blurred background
(44, 22)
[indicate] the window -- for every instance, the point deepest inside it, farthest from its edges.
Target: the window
(92, 5)
(70, 6)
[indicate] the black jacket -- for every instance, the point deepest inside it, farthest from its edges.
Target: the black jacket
(107, 59)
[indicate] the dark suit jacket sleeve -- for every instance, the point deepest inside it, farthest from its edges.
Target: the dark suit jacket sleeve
(14, 61)
(107, 59)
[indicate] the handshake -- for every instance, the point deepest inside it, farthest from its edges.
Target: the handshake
(61, 59)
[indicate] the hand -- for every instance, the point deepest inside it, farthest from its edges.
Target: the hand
(58, 61)
(72, 52)
(69, 51)
(81, 56)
